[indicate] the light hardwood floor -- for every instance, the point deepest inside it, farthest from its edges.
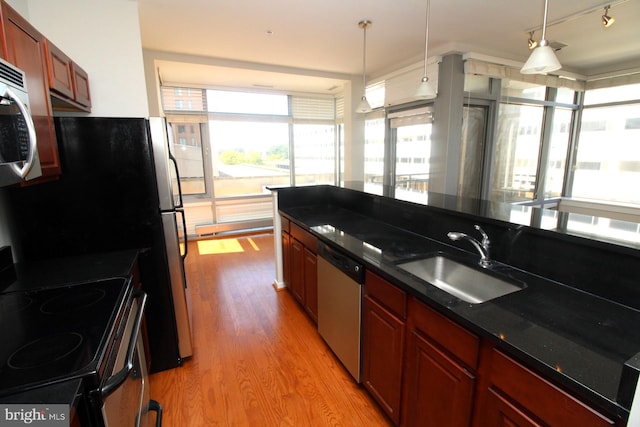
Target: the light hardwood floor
(259, 360)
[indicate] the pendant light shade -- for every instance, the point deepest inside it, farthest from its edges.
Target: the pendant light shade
(542, 59)
(425, 90)
(363, 105)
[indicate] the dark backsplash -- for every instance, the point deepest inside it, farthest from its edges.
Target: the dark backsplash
(603, 269)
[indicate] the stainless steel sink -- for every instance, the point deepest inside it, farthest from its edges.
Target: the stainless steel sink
(468, 284)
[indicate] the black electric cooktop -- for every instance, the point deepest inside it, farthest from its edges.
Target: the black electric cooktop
(56, 334)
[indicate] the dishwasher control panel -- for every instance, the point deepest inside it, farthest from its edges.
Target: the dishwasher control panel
(344, 263)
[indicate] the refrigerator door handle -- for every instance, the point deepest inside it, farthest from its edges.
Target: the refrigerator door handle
(184, 232)
(175, 167)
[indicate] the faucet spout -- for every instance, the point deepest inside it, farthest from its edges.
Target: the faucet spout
(482, 247)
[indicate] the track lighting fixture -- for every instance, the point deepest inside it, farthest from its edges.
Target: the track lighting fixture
(425, 90)
(531, 42)
(607, 20)
(542, 59)
(363, 105)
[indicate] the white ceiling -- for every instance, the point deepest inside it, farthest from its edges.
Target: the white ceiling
(322, 37)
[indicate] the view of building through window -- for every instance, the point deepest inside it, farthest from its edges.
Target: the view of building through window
(608, 155)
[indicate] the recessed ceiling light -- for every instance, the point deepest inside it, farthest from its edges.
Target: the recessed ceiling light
(269, 32)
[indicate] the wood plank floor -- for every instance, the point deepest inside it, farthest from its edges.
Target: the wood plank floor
(259, 360)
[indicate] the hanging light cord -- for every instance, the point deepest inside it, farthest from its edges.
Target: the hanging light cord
(426, 39)
(544, 20)
(365, 24)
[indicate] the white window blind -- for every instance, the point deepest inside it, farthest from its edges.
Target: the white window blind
(401, 88)
(303, 108)
(482, 68)
(417, 116)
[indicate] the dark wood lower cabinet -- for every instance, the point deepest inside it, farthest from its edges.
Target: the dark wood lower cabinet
(383, 342)
(500, 412)
(438, 391)
(519, 397)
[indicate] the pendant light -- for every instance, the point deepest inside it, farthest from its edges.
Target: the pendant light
(425, 90)
(542, 59)
(363, 105)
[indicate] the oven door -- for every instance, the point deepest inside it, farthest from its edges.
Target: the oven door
(125, 394)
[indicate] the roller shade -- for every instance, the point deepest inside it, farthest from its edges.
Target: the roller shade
(417, 116)
(498, 71)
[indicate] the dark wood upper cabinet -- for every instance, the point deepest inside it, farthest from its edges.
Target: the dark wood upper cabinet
(68, 82)
(25, 48)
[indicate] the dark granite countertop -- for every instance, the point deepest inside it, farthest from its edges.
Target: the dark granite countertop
(577, 339)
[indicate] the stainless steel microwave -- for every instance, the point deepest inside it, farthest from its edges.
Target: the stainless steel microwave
(18, 145)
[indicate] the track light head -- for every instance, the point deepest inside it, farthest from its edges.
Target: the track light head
(531, 42)
(607, 20)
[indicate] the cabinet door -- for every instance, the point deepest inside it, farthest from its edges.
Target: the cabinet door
(59, 70)
(537, 396)
(26, 50)
(502, 413)
(311, 284)
(382, 349)
(297, 271)
(438, 391)
(81, 92)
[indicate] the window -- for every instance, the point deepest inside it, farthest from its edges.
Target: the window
(557, 155)
(608, 152)
(232, 145)
(374, 153)
(517, 153)
(411, 135)
(188, 153)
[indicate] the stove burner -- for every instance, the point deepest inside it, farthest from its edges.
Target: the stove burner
(72, 301)
(13, 303)
(44, 351)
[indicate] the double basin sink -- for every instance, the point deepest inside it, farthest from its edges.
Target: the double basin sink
(469, 284)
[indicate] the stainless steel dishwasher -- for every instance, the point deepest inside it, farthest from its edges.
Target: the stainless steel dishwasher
(340, 280)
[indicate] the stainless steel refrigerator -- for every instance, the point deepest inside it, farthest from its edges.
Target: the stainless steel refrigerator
(118, 190)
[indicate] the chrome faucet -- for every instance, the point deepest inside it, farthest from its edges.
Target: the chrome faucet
(482, 247)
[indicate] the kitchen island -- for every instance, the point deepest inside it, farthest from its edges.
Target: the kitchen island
(573, 324)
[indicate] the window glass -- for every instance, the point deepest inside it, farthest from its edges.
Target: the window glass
(315, 156)
(554, 175)
(413, 150)
(516, 89)
(566, 96)
(517, 153)
(374, 130)
(248, 156)
(608, 156)
(186, 142)
(612, 94)
(182, 99)
(247, 103)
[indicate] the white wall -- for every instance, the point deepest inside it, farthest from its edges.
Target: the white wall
(103, 37)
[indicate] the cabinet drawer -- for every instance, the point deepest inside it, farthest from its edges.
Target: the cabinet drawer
(285, 224)
(386, 294)
(307, 239)
(546, 401)
(452, 337)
